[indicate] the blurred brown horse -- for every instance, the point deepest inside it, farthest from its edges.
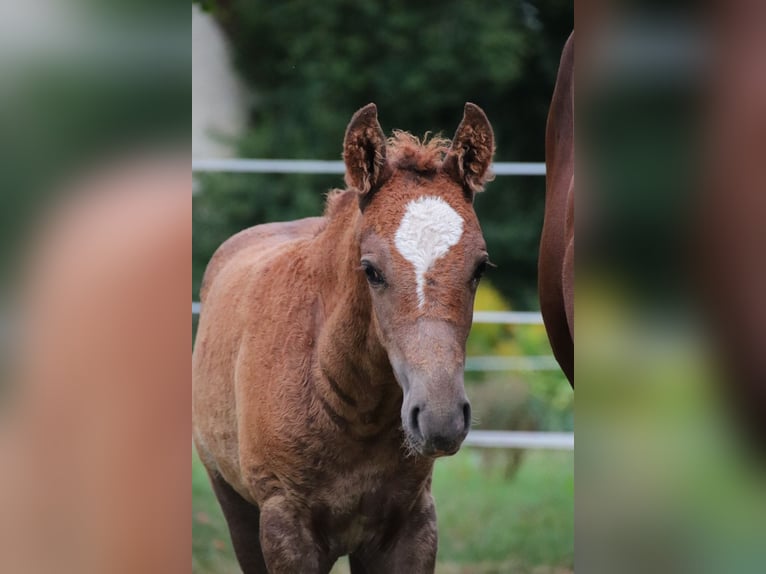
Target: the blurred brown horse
(328, 365)
(556, 261)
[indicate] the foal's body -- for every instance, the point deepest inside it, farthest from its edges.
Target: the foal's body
(329, 358)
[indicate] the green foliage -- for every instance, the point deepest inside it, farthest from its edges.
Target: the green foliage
(488, 338)
(528, 400)
(312, 64)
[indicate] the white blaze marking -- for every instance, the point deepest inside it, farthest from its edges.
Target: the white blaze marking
(427, 231)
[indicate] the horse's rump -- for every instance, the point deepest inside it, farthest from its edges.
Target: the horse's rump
(556, 262)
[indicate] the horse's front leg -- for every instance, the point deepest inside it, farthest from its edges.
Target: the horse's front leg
(287, 542)
(411, 549)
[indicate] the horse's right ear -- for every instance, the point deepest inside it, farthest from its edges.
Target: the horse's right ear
(470, 157)
(364, 152)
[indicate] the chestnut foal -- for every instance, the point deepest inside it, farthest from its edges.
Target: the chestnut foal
(328, 365)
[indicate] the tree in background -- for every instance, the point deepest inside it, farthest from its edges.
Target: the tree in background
(311, 64)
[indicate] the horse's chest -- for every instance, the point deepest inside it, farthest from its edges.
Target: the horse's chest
(360, 506)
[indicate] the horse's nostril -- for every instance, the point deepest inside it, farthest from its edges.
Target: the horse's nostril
(414, 425)
(467, 416)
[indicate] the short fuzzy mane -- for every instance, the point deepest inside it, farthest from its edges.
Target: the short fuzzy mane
(408, 152)
(404, 151)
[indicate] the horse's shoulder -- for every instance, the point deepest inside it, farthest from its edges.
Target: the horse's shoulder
(258, 240)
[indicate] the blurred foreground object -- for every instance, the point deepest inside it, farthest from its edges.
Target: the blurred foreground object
(669, 242)
(94, 266)
(96, 433)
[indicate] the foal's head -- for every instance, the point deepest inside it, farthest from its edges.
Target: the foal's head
(422, 253)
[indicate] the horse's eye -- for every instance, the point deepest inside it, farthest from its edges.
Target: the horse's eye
(374, 277)
(477, 275)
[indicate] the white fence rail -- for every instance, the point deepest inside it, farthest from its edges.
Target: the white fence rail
(313, 166)
(508, 317)
(521, 363)
(520, 439)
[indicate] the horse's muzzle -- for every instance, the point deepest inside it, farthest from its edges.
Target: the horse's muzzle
(439, 431)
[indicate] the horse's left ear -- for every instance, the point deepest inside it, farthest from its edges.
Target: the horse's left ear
(473, 146)
(364, 152)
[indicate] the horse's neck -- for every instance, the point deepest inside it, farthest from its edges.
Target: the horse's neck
(350, 352)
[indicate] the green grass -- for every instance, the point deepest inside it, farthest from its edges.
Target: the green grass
(488, 524)
(212, 552)
(483, 516)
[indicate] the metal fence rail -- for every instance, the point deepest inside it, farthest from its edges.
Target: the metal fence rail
(314, 166)
(508, 317)
(501, 363)
(520, 439)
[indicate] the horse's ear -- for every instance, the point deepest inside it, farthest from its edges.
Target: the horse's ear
(473, 146)
(364, 152)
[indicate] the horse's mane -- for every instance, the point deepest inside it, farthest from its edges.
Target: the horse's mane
(406, 151)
